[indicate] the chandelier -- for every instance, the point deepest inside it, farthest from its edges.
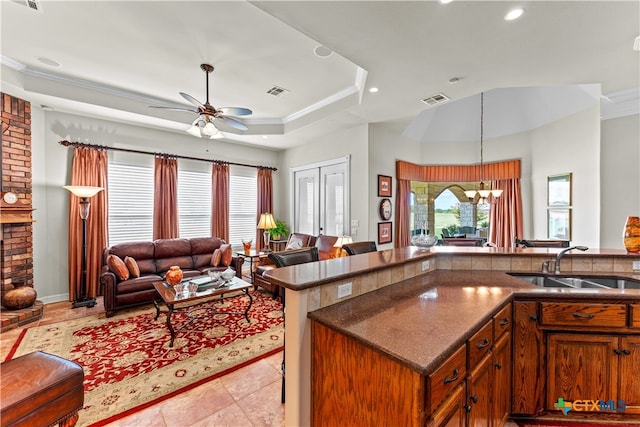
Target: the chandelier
(484, 195)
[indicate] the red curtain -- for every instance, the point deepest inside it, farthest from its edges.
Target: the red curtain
(89, 168)
(220, 201)
(457, 173)
(403, 210)
(165, 204)
(265, 200)
(506, 213)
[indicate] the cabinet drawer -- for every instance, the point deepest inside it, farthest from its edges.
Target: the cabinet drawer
(635, 315)
(583, 314)
(480, 343)
(502, 322)
(444, 379)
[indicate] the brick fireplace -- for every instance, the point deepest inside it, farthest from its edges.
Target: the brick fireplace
(16, 235)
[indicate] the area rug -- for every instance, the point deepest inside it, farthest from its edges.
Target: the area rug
(129, 365)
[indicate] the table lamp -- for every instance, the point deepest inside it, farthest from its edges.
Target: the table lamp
(266, 223)
(342, 240)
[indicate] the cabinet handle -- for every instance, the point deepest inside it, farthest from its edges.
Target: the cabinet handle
(617, 351)
(533, 317)
(626, 352)
(504, 322)
(484, 343)
(583, 316)
(456, 374)
(467, 407)
(498, 365)
(474, 398)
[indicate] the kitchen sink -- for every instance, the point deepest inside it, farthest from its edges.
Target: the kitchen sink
(581, 282)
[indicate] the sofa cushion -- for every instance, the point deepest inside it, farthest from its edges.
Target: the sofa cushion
(227, 254)
(216, 257)
(142, 252)
(202, 248)
(169, 252)
(118, 266)
(293, 257)
(132, 266)
(295, 242)
(138, 284)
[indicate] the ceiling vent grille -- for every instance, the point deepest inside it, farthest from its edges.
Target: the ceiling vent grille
(436, 99)
(34, 5)
(277, 91)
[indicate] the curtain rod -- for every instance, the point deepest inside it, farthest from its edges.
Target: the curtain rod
(128, 150)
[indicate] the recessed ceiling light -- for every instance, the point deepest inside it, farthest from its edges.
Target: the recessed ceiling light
(47, 61)
(373, 89)
(514, 14)
(636, 43)
(322, 51)
(445, 1)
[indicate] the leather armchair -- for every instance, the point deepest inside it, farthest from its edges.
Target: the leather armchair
(360, 247)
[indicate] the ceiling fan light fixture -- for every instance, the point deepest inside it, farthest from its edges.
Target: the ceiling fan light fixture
(203, 127)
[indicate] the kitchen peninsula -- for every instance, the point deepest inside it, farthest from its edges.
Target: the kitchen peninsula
(416, 309)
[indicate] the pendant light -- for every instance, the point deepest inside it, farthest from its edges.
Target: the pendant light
(484, 195)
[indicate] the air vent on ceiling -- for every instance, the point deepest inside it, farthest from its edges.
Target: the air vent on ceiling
(277, 91)
(436, 99)
(34, 5)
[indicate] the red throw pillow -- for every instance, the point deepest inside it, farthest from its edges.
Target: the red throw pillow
(226, 254)
(132, 266)
(118, 266)
(215, 258)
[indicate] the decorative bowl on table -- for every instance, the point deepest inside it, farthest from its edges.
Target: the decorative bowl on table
(178, 288)
(214, 275)
(424, 240)
(228, 274)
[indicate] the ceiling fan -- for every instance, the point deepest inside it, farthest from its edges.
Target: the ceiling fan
(203, 126)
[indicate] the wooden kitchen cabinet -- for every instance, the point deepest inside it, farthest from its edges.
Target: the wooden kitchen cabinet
(501, 405)
(629, 389)
(529, 367)
(453, 411)
(479, 392)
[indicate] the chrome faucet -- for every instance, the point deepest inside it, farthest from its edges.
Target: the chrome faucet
(564, 251)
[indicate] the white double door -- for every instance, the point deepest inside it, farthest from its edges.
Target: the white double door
(321, 198)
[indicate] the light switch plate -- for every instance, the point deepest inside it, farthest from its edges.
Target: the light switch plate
(355, 223)
(344, 290)
(425, 265)
(636, 265)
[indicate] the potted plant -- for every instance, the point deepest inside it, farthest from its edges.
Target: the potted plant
(281, 230)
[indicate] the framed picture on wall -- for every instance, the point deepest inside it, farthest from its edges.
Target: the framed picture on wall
(384, 186)
(559, 223)
(384, 232)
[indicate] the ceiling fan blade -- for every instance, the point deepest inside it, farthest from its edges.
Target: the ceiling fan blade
(174, 108)
(191, 99)
(233, 122)
(235, 111)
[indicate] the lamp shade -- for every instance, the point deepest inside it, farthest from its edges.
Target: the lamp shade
(203, 127)
(266, 221)
(343, 240)
(83, 191)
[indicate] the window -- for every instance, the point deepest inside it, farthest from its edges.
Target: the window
(131, 206)
(130, 202)
(194, 203)
(243, 204)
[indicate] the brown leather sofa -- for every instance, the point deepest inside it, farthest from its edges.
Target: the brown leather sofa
(325, 249)
(154, 258)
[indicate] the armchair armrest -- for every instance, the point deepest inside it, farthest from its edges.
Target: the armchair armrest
(108, 281)
(237, 262)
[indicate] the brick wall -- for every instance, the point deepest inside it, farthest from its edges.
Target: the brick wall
(16, 245)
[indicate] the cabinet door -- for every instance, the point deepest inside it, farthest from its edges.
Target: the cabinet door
(629, 390)
(479, 393)
(452, 412)
(501, 380)
(581, 367)
(528, 360)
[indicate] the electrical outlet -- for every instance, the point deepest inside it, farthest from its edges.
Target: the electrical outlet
(344, 290)
(636, 265)
(354, 231)
(425, 265)
(355, 223)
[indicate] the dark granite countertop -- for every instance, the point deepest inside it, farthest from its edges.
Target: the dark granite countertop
(419, 322)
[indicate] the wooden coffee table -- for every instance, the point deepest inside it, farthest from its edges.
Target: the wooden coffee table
(189, 301)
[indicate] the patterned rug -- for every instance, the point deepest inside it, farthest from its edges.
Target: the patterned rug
(129, 365)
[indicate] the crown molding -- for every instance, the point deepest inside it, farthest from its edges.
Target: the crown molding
(620, 103)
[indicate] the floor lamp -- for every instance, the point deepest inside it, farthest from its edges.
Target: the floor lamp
(84, 193)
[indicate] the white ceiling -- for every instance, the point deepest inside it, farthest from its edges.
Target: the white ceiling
(119, 57)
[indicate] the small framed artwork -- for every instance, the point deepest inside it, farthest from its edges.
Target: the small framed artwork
(559, 190)
(384, 186)
(384, 232)
(559, 223)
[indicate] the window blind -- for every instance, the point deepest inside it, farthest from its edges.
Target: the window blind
(194, 203)
(243, 204)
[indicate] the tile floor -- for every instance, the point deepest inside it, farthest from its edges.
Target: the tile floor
(231, 400)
